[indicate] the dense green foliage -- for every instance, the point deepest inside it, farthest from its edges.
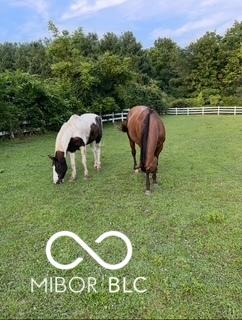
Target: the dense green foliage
(186, 236)
(45, 81)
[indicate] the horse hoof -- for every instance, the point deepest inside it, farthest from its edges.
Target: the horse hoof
(72, 180)
(86, 177)
(147, 193)
(136, 171)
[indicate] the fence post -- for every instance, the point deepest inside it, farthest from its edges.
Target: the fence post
(113, 117)
(203, 111)
(176, 112)
(122, 116)
(235, 109)
(187, 111)
(218, 110)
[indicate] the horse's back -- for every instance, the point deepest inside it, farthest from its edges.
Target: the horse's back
(86, 119)
(88, 127)
(136, 118)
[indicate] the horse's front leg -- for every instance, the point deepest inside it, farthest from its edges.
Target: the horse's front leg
(147, 191)
(84, 161)
(73, 166)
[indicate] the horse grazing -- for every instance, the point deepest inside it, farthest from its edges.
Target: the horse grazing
(75, 134)
(145, 128)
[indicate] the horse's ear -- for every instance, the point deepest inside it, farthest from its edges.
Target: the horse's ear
(51, 157)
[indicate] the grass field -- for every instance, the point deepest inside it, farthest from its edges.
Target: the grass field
(186, 236)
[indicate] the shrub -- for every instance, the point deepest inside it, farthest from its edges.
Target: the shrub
(10, 118)
(181, 103)
(25, 98)
(198, 101)
(232, 101)
(104, 105)
(149, 95)
(215, 100)
(207, 93)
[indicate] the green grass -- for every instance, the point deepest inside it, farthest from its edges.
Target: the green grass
(186, 236)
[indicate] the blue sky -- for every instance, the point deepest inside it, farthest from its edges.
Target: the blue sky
(183, 21)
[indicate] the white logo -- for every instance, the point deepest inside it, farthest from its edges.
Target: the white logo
(89, 250)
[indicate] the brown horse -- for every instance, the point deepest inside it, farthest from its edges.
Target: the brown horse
(145, 128)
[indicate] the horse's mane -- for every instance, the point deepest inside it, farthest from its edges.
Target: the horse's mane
(144, 140)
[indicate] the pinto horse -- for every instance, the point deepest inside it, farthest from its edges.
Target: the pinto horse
(145, 128)
(75, 134)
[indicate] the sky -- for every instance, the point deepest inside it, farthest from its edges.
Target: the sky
(183, 21)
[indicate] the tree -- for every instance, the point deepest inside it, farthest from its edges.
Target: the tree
(165, 58)
(7, 56)
(46, 81)
(231, 48)
(110, 42)
(203, 59)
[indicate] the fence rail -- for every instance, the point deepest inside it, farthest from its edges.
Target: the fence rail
(205, 111)
(120, 116)
(26, 129)
(112, 117)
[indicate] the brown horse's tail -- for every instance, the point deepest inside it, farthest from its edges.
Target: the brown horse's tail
(144, 140)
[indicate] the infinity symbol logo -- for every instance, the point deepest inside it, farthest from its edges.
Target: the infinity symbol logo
(89, 250)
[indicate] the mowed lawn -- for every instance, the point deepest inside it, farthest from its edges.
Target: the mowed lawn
(186, 236)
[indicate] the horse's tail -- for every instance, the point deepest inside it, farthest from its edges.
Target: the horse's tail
(144, 140)
(124, 126)
(99, 122)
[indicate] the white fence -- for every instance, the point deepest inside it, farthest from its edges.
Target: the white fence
(205, 111)
(112, 117)
(26, 129)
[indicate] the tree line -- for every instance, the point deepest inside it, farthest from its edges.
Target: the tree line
(44, 82)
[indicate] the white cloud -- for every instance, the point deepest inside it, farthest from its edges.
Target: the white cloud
(199, 17)
(203, 24)
(141, 10)
(36, 25)
(183, 21)
(84, 7)
(206, 3)
(32, 30)
(40, 6)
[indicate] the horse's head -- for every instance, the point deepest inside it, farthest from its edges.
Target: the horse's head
(59, 167)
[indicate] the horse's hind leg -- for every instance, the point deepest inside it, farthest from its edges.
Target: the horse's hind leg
(147, 191)
(94, 149)
(73, 166)
(157, 153)
(84, 161)
(154, 177)
(98, 148)
(133, 151)
(97, 155)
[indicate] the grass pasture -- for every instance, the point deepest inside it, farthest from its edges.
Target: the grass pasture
(186, 236)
